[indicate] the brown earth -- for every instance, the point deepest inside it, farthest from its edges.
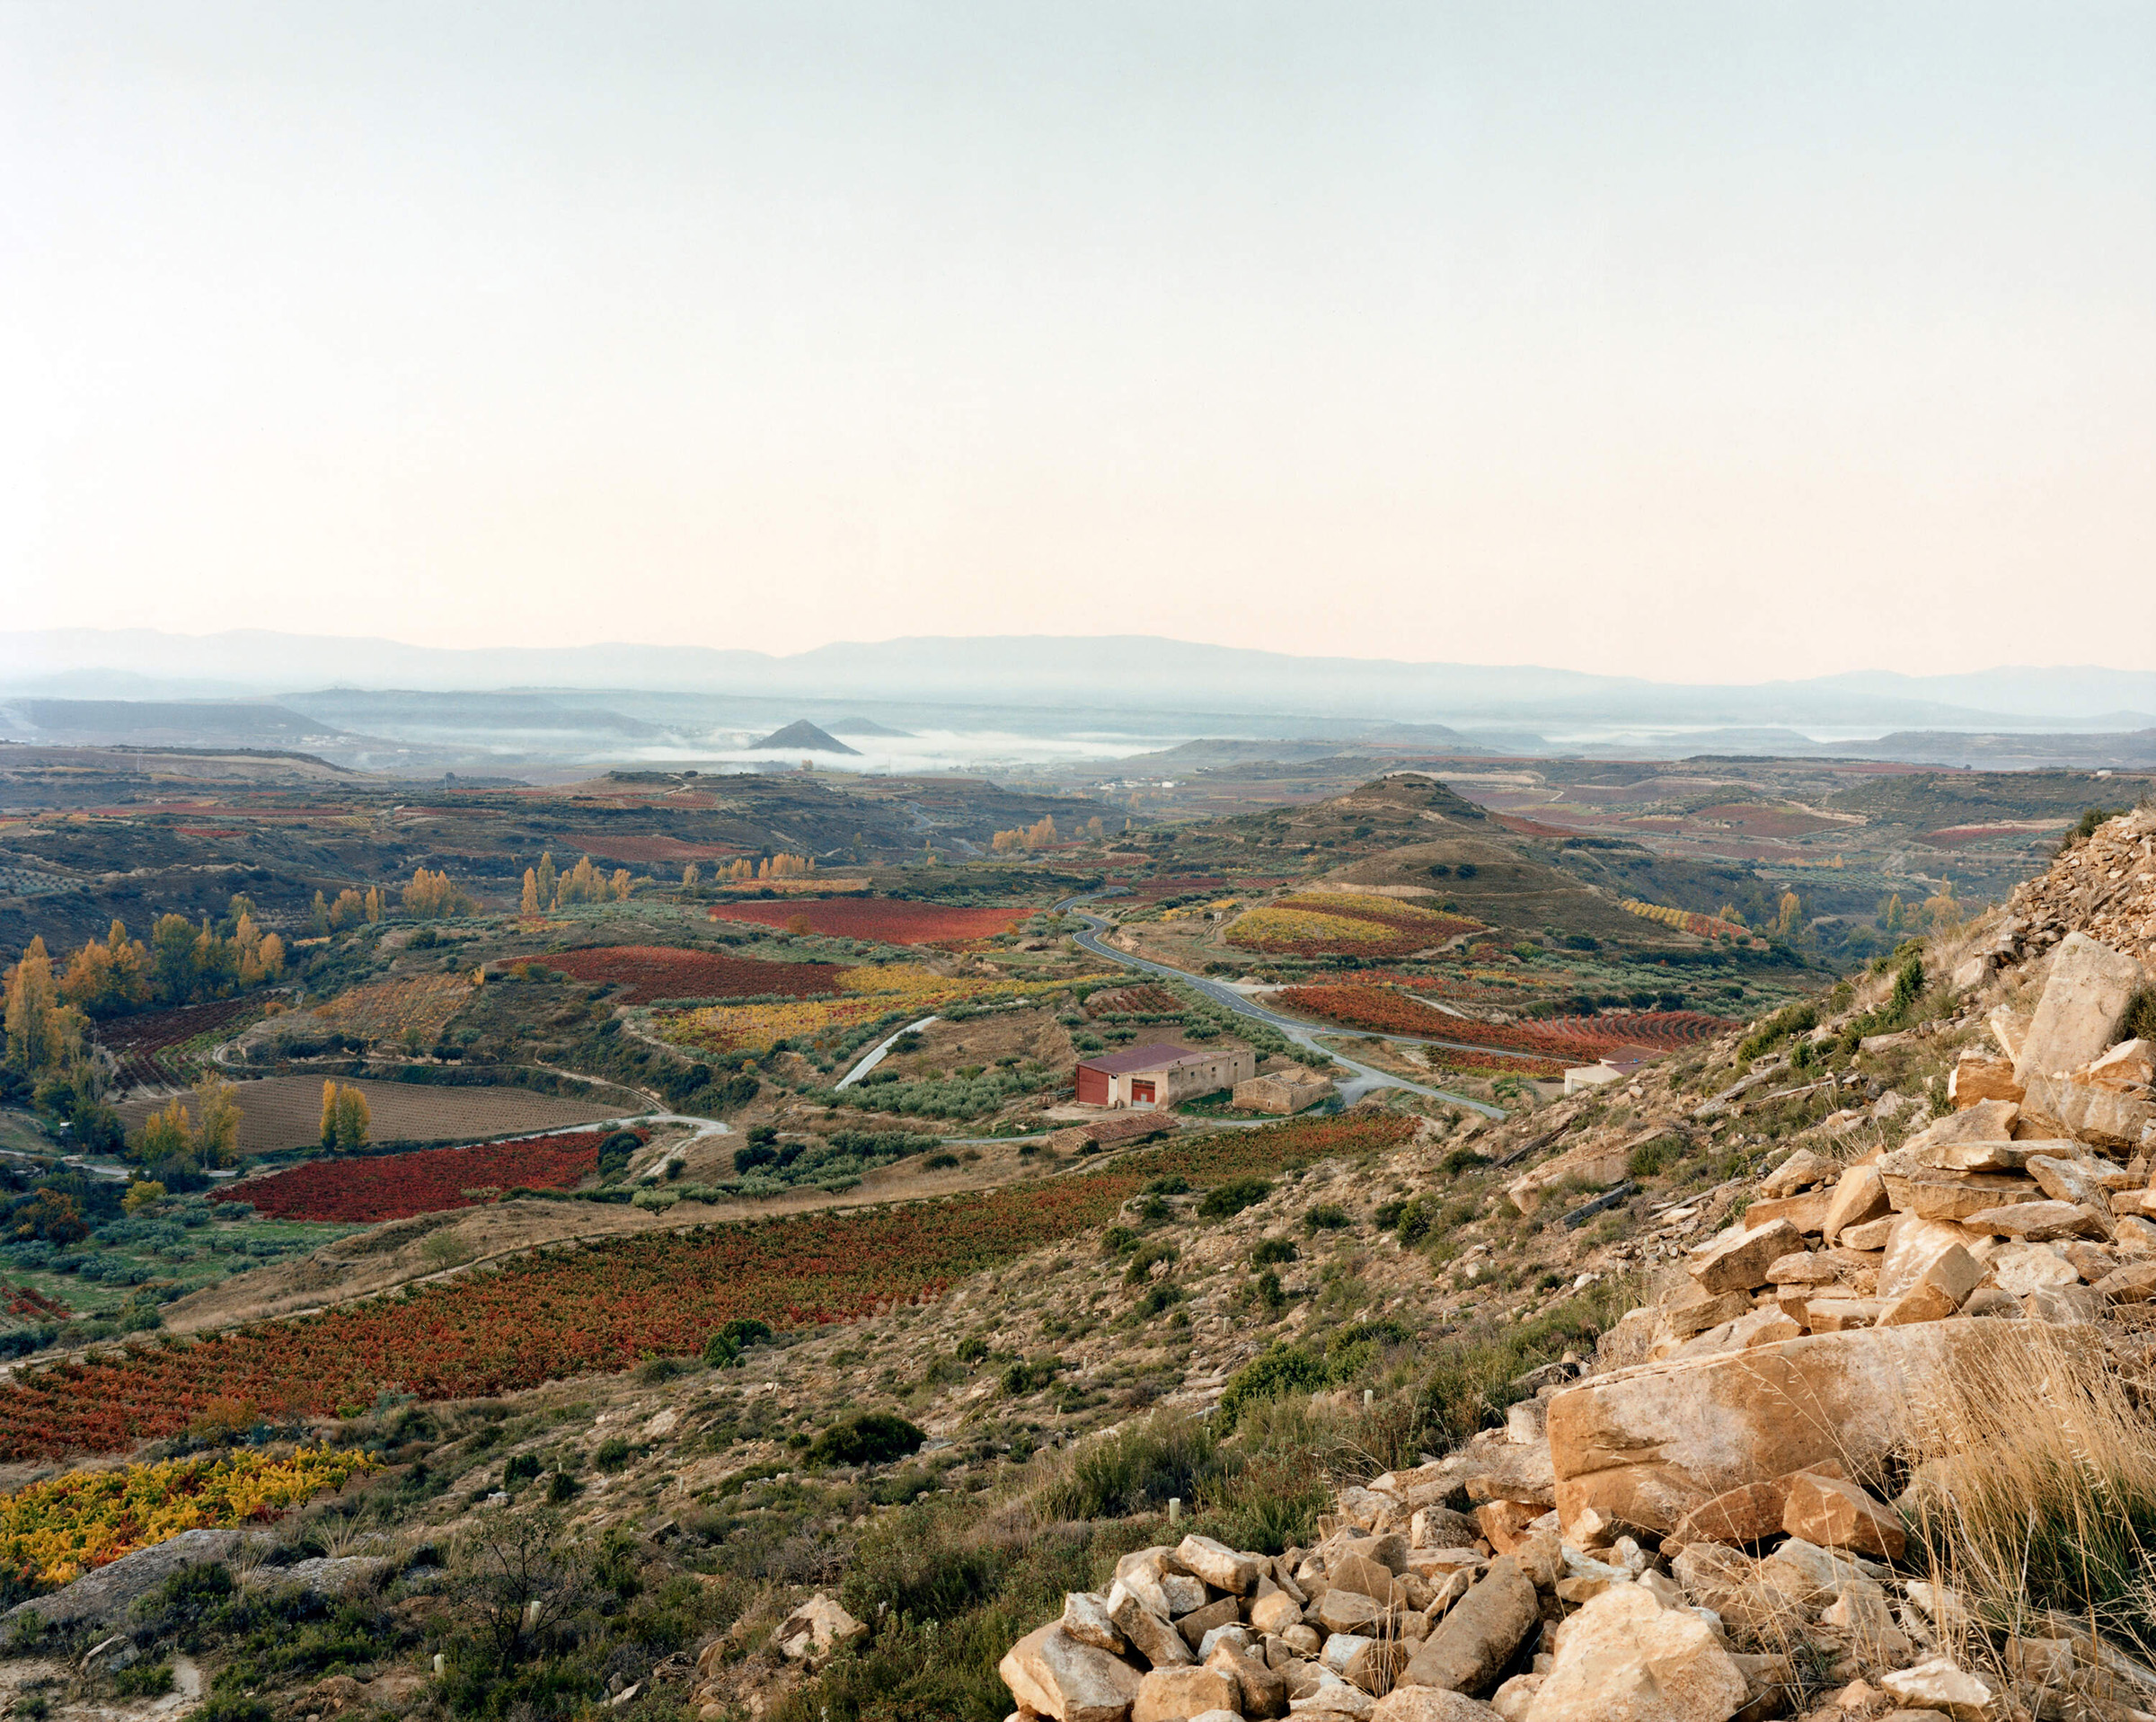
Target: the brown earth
(280, 1112)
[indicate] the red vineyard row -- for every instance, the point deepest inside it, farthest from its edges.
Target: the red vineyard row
(601, 1307)
(429, 1180)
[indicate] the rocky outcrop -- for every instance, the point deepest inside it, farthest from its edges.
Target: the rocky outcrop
(1704, 1516)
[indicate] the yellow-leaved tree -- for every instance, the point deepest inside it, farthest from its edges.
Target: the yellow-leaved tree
(43, 1034)
(354, 1121)
(431, 895)
(530, 903)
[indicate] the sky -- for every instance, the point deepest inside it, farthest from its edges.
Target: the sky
(1706, 342)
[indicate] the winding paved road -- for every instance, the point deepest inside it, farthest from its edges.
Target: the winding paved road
(1366, 1076)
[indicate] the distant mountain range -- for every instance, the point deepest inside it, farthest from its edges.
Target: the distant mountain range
(1106, 672)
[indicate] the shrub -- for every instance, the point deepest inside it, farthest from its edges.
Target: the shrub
(1795, 1018)
(1270, 1293)
(143, 1679)
(611, 1454)
(1022, 1377)
(2141, 1016)
(941, 1162)
(1650, 1158)
(523, 1468)
(1271, 1250)
(1160, 1297)
(1119, 1240)
(1225, 1201)
(1142, 1466)
(1169, 1184)
(1327, 1216)
(1282, 1369)
(865, 1438)
(1142, 1263)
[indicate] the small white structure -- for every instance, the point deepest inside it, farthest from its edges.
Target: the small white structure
(1580, 1078)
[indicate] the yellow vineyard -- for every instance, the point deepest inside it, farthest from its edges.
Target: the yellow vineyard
(870, 991)
(52, 1533)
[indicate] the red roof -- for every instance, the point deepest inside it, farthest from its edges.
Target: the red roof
(1134, 1058)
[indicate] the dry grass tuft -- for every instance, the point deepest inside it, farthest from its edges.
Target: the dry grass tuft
(2033, 1494)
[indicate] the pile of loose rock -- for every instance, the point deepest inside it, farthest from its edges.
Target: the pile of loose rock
(2106, 888)
(2029, 1199)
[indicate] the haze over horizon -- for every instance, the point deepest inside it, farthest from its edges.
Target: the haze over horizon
(1700, 344)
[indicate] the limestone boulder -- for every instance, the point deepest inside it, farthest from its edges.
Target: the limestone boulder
(1800, 1171)
(1651, 1445)
(1806, 1211)
(2068, 1180)
(1837, 1513)
(1262, 1690)
(1751, 1513)
(1954, 1196)
(1052, 1674)
(1940, 1290)
(1859, 1196)
(2085, 1000)
(1085, 1618)
(2109, 1116)
(2136, 1283)
(2020, 1268)
(1372, 1663)
(1194, 1626)
(1912, 1246)
(1978, 1156)
(1479, 1634)
(1274, 1614)
(1940, 1684)
(814, 1630)
(1691, 1310)
(1346, 1610)
(2041, 1222)
(1430, 1704)
(1358, 1572)
(1986, 1121)
(1151, 1634)
(1218, 1565)
(1625, 1658)
(1978, 1077)
(1737, 1261)
(1178, 1694)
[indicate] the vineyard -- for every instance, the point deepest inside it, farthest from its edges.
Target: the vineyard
(1706, 926)
(885, 920)
(1343, 923)
(160, 1049)
(392, 1009)
(580, 1310)
(870, 992)
(1573, 1039)
(430, 1181)
(654, 972)
(54, 1531)
(1145, 999)
(285, 1112)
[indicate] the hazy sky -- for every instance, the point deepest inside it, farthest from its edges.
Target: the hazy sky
(1714, 342)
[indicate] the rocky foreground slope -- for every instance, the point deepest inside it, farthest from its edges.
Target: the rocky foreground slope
(1872, 1443)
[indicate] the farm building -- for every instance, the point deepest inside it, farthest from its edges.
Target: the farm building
(1286, 1092)
(1160, 1075)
